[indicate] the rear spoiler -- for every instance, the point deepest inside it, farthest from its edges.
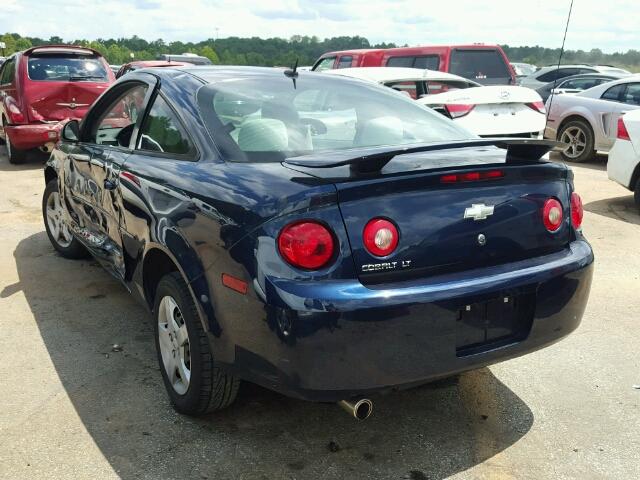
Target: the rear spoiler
(53, 49)
(373, 159)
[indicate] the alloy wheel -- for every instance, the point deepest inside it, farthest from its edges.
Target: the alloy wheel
(55, 220)
(576, 138)
(174, 344)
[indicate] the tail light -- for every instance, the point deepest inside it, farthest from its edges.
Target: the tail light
(577, 210)
(537, 106)
(456, 110)
(552, 214)
(623, 133)
(471, 176)
(307, 244)
(15, 115)
(380, 237)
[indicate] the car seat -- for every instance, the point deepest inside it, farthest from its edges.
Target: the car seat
(381, 131)
(263, 135)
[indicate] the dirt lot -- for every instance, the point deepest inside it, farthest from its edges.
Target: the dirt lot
(73, 408)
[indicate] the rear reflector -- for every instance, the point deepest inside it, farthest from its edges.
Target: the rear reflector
(380, 237)
(472, 176)
(456, 110)
(537, 106)
(577, 210)
(552, 214)
(623, 133)
(234, 283)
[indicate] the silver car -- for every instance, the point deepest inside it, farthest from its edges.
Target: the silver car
(588, 121)
(550, 73)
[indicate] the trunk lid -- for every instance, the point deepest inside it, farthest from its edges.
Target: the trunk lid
(435, 236)
(55, 101)
(497, 94)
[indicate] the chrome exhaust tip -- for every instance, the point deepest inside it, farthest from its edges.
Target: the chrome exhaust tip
(360, 409)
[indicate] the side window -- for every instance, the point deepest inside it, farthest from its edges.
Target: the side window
(8, 71)
(431, 62)
(632, 94)
(400, 62)
(614, 93)
(550, 76)
(324, 64)
(162, 131)
(116, 124)
(345, 61)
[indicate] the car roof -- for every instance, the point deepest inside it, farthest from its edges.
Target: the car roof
(395, 74)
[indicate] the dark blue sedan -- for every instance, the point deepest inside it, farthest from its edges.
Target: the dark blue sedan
(320, 236)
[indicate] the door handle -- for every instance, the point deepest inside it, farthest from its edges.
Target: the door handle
(110, 185)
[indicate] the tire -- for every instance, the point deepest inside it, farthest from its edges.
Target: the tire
(59, 234)
(183, 351)
(578, 134)
(636, 193)
(16, 157)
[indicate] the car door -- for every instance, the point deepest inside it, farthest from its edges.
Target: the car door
(623, 99)
(107, 138)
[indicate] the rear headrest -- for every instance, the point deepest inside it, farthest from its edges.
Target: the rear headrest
(263, 135)
(382, 131)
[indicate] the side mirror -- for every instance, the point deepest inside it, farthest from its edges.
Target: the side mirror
(71, 131)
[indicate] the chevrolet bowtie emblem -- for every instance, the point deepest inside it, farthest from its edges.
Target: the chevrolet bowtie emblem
(478, 211)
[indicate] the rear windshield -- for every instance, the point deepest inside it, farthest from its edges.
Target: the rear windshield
(269, 118)
(478, 64)
(61, 68)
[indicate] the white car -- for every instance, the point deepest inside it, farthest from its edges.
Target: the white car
(587, 121)
(487, 111)
(624, 158)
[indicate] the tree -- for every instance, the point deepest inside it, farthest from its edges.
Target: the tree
(210, 53)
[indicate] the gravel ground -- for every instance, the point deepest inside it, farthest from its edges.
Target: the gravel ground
(73, 408)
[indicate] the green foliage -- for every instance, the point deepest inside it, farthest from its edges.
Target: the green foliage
(285, 52)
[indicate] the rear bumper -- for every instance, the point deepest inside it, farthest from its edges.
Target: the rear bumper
(622, 163)
(335, 340)
(25, 137)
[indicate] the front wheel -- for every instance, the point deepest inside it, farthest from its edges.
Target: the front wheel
(579, 138)
(193, 381)
(57, 229)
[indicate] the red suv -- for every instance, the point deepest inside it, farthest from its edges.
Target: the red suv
(485, 64)
(41, 87)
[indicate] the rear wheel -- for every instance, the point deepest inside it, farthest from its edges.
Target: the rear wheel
(193, 381)
(57, 229)
(579, 137)
(16, 156)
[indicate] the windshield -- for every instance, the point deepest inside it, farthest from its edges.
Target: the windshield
(269, 118)
(61, 68)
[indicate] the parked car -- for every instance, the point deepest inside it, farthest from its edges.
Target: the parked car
(588, 121)
(115, 68)
(576, 83)
(129, 67)
(523, 69)
(191, 58)
(485, 64)
(43, 86)
(272, 249)
(613, 69)
(623, 166)
(488, 111)
(552, 73)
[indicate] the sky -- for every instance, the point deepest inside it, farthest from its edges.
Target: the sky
(609, 25)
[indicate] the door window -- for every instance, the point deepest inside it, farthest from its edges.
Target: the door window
(345, 61)
(580, 83)
(8, 71)
(162, 131)
(632, 94)
(614, 93)
(558, 73)
(115, 126)
(431, 62)
(325, 64)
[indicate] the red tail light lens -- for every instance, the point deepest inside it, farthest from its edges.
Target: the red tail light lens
(458, 110)
(537, 106)
(15, 115)
(380, 237)
(472, 176)
(552, 214)
(623, 133)
(577, 211)
(306, 244)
